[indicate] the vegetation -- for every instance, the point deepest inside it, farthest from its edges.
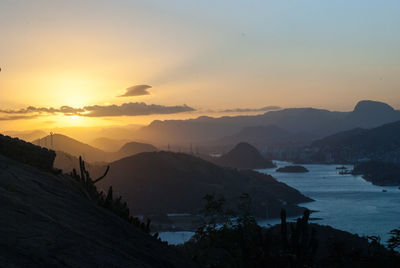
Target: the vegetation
(243, 156)
(292, 169)
(27, 153)
(115, 205)
(228, 240)
(379, 173)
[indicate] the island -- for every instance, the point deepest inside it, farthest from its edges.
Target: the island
(292, 169)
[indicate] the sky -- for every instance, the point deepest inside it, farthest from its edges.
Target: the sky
(130, 62)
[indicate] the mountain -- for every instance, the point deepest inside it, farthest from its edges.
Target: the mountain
(166, 182)
(48, 221)
(59, 142)
(26, 135)
(108, 144)
(132, 148)
(317, 122)
(243, 156)
(264, 137)
(377, 113)
(380, 143)
(68, 151)
(379, 173)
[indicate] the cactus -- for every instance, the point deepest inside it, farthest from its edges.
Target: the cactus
(301, 243)
(284, 229)
(107, 201)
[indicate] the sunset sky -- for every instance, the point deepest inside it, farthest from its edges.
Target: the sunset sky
(189, 58)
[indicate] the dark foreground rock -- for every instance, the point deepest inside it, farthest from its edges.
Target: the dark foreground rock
(47, 221)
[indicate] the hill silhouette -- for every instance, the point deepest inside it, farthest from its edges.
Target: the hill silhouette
(380, 143)
(75, 148)
(132, 148)
(108, 144)
(243, 156)
(316, 122)
(48, 221)
(166, 182)
(59, 142)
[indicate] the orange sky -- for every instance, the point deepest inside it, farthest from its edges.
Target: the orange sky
(256, 54)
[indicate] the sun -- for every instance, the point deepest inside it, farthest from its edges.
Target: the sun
(74, 117)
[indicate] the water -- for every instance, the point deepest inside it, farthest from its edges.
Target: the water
(344, 202)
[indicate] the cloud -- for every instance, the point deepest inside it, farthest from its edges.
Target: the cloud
(245, 110)
(17, 117)
(126, 109)
(138, 90)
(40, 110)
(133, 109)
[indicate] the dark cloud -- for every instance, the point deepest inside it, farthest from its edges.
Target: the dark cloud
(126, 109)
(246, 110)
(138, 90)
(17, 117)
(40, 110)
(133, 109)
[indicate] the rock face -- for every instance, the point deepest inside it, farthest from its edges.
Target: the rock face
(166, 182)
(47, 221)
(292, 169)
(27, 153)
(378, 113)
(244, 156)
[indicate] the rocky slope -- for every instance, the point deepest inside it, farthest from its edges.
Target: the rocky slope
(47, 221)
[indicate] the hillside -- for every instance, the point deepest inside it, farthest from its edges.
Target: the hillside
(59, 142)
(66, 145)
(317, 122)
(264, 136)
(379, 173)
(132, 148)
(243, 156)
(27, 135)
(47, 221)
(380, 143)
(165, 182)
(108, 144)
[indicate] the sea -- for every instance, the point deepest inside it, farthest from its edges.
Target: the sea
(345, 202)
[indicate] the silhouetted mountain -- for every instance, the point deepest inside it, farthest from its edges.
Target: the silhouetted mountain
(381, 143)
(47, 220)
(317, 122)
(166, 182)
(108, 144)
(72, 147)
(379, 173)
(26, 135)
(376, 113)
(132, 148)
(243, 156)
(264, 137)
(59, 142)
